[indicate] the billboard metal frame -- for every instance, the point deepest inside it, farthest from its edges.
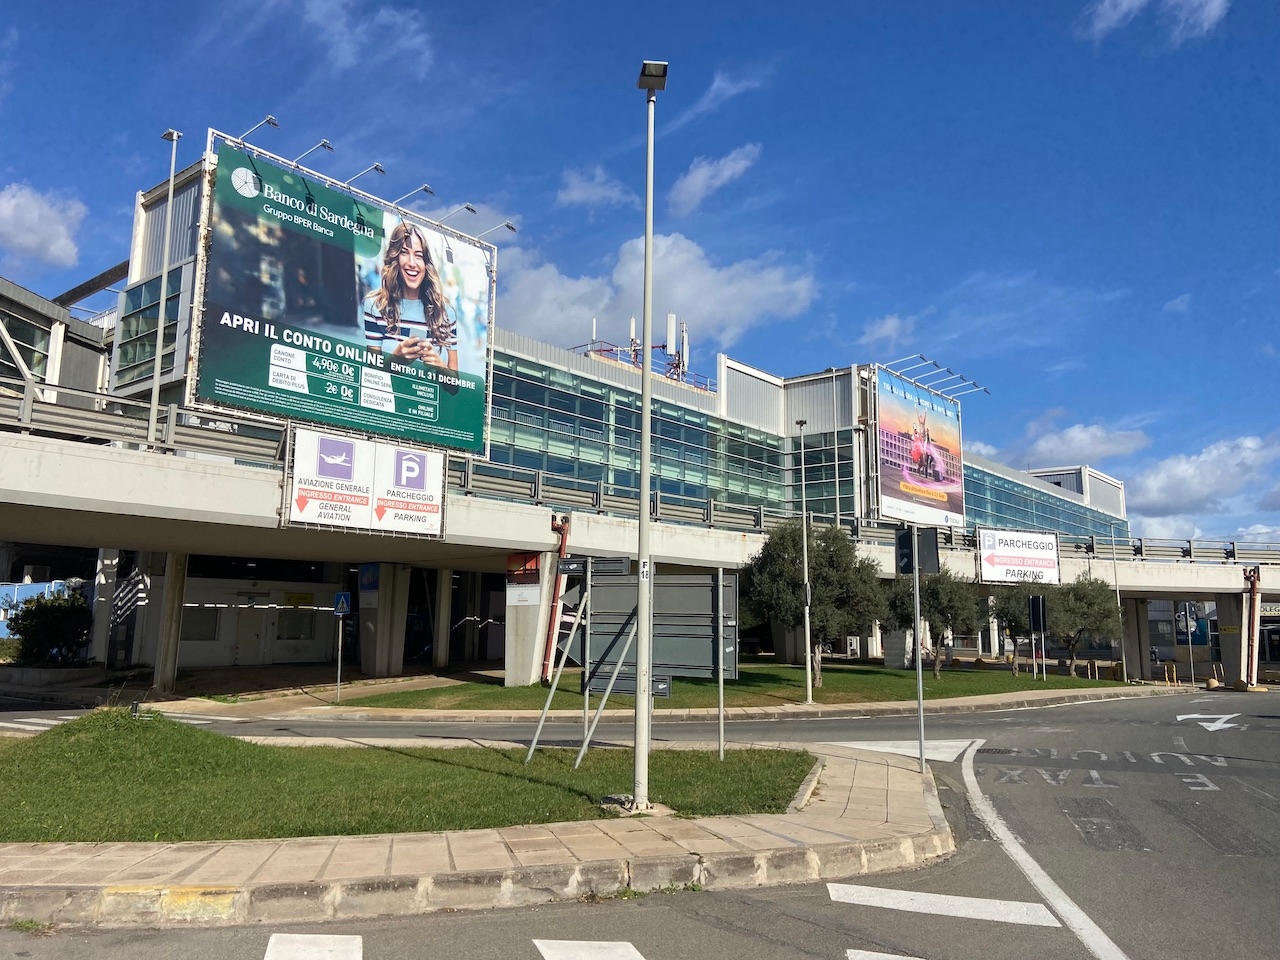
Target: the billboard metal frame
(200, 286)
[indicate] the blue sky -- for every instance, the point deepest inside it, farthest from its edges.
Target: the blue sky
(1074, 203)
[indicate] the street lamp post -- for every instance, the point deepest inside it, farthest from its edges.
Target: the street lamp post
(653, 77)
(804, 554)
(466, 206)
(173, 136)
(1115, 577)
(506, 223)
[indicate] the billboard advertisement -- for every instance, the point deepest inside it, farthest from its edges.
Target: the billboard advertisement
(918, 436)
(343, 481)
(325, 308)
(1013, 556)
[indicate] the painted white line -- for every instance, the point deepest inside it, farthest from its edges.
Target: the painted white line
(944, 751)
(1089, 933)
(586, 950)
(945, 905)
(194, 723)
(21, 726)
(295, 946)
(38, 721)
(871, 955)
(68, 718)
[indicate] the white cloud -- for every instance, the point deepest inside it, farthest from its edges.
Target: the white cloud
(593, 188)
(981, 449)
(889, 330)
(393, 35)
(1195, 18)
(1188, 18)
(1081, 443)
(39, 226)
(1178, 304)
(1259, 533)
(723, 87)
(718, 302)
(1164, 528)
(704, 177)
(1199, 483)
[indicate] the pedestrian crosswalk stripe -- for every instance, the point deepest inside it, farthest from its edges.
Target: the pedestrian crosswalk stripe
(587, 950)
(872, 955)
(943, 751)
(39, 721)
(945, 905)
(296, 946)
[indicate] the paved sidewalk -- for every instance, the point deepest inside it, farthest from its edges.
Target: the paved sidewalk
(858, 813)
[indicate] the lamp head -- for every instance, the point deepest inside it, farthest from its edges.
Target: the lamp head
(469, 208)
(801, 423)
(173, 136)
(377, 167)
(272, 121)
(653, 75)
(325, 145)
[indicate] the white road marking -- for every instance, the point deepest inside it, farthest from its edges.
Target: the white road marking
(871, 955)
(587, 950)
(297, 946)
(23, 725)
(1089, 933)
(1181, 744)
(945, 905)
(38, 721)
(1256, 791)
(944, 751)
(193, 722)
(1219, 720)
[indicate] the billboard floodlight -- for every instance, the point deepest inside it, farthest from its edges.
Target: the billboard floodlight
(466, 206)
(425, 188)
(267, 121)
(322, 145)
(506, 223)
(653, 75)
(377, 167)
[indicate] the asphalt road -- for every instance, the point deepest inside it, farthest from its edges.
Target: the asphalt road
(1164, 833)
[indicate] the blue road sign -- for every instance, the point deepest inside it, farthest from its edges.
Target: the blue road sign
(341, 604)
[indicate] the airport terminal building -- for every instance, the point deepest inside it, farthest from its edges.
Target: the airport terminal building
(206, 554)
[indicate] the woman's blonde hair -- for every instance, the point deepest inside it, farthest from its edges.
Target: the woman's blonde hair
(431, 293)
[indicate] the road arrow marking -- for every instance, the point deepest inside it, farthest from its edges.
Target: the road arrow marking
(943, 751)
(1219, 720)
(945, 905)
(586, 950)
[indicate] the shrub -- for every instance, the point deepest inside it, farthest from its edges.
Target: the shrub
(51, 629)
(8, 649)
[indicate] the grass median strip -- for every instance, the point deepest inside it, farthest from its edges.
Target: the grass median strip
(111, 777)
(758, 685)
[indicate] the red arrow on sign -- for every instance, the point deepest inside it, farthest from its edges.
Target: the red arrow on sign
(380, 510)
(301, 502)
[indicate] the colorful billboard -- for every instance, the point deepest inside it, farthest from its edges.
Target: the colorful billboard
(918, 435)
(325, 308)
(1015, 556)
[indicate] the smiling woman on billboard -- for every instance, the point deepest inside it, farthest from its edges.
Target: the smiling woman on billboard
(407, 316)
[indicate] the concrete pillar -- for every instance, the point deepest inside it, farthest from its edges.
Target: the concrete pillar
(1137, 640)
(1233, 635)
(382, 628)
(104, 590)
(526, 629)
(444, 614)
(175, 584)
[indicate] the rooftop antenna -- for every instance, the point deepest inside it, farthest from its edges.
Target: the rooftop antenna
(593, 329)
(670, 345)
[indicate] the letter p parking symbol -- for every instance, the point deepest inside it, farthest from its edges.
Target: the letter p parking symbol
(411, 470)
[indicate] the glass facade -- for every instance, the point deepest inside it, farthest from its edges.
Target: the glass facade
(824, 454)
(32, 341)
(991, 500)
(136, 329)
(545, 418)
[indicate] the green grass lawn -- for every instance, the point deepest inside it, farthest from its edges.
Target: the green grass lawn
(110, 777)
(758, 684)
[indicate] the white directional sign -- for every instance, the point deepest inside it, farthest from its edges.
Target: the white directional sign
(346, 481)
(1219, 720)
(1012, 556)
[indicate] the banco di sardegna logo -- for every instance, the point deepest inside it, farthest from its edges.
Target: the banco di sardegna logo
(247, 183)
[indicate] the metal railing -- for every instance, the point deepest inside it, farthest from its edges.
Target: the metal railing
(39, 409)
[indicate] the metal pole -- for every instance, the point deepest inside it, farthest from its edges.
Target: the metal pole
(718, 608)
(835, 440)
(586, 661)
(1115, 576)
(1191, 647)
(644, 626)
(173, 136)
(341, 623)
(915, 583)
(804, 552)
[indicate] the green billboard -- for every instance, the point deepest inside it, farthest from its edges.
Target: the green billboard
(324, 308)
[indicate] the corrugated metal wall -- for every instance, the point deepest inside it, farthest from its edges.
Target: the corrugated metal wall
(753, 402)
(822, 401)
(1106, 495)
(1067, 480)
(182, 243)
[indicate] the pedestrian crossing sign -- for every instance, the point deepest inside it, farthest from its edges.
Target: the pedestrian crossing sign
(341, 604)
